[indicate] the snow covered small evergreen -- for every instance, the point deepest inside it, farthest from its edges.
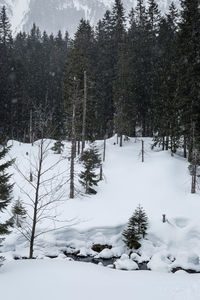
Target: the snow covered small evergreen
(88, 178)
(136, 228)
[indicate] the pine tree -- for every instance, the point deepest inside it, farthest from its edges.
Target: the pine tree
(104, 75)
(5, 32)
(125, 107)
(6, 74)
(167, 126)
(5, 192)
(88, 178)
(19, 213)
(81, 60)
(136, 228)
(141, 66)
(188, 83)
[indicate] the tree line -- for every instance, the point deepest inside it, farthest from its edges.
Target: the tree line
(140, 75)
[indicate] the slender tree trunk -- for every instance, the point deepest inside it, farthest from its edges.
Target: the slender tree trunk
(104, 150)
(73, 149)
(163, 143)
(79, 147)
(101, 173)
(167, 143)
(31, 128)
(121, 140)
(86, 188)
(142, 151)
(194, 178)
(32, 240)
(84, 111)
(185, 147)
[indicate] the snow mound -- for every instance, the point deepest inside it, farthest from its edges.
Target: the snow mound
(125, 263)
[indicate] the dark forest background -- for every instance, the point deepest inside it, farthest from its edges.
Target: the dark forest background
(143, 77)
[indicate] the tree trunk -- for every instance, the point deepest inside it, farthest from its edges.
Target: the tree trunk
(163, 143)
(101, 173)
(104, 150)
(84, 111)
(167, 143)
(86, 188)
(194, 176)
(73, 149)
(185, 148)
(31, 128)
(121, 140)
(32, 240)
(79, 147)
(142, 151)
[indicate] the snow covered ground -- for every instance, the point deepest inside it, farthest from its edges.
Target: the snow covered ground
(161, 185)
(61, 279)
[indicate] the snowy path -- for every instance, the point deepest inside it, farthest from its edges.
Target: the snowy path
(61, 280)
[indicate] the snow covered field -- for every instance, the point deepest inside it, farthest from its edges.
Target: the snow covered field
(161, 185)
(60, 279)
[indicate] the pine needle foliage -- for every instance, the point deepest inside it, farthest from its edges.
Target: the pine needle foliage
(136, 228)
(5, 193)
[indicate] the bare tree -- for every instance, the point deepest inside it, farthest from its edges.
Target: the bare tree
(75, 101)
(42, 195)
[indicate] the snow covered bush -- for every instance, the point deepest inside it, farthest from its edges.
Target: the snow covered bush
(136, 228)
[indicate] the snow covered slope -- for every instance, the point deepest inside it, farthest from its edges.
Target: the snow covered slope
(52, 15)
(161, 185)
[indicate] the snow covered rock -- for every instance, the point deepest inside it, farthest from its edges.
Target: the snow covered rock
(125, 263)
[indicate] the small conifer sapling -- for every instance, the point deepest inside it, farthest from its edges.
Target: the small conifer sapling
(136, 228)
(88, 178)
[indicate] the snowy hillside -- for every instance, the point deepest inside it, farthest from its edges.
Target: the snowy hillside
(52, 15)
(161, 185)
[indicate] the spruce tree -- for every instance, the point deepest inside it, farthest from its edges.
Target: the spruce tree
(188, 82)
(104, 75)
(5, 32)
(81, 59)
(6, 73)
(88, 178)
(136, 228)
(167, 126)
(5, 192)
(19, 213)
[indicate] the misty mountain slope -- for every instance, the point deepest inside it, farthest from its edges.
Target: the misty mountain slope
(52, 15)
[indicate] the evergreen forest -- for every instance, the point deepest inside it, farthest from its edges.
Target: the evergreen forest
(140, 73)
